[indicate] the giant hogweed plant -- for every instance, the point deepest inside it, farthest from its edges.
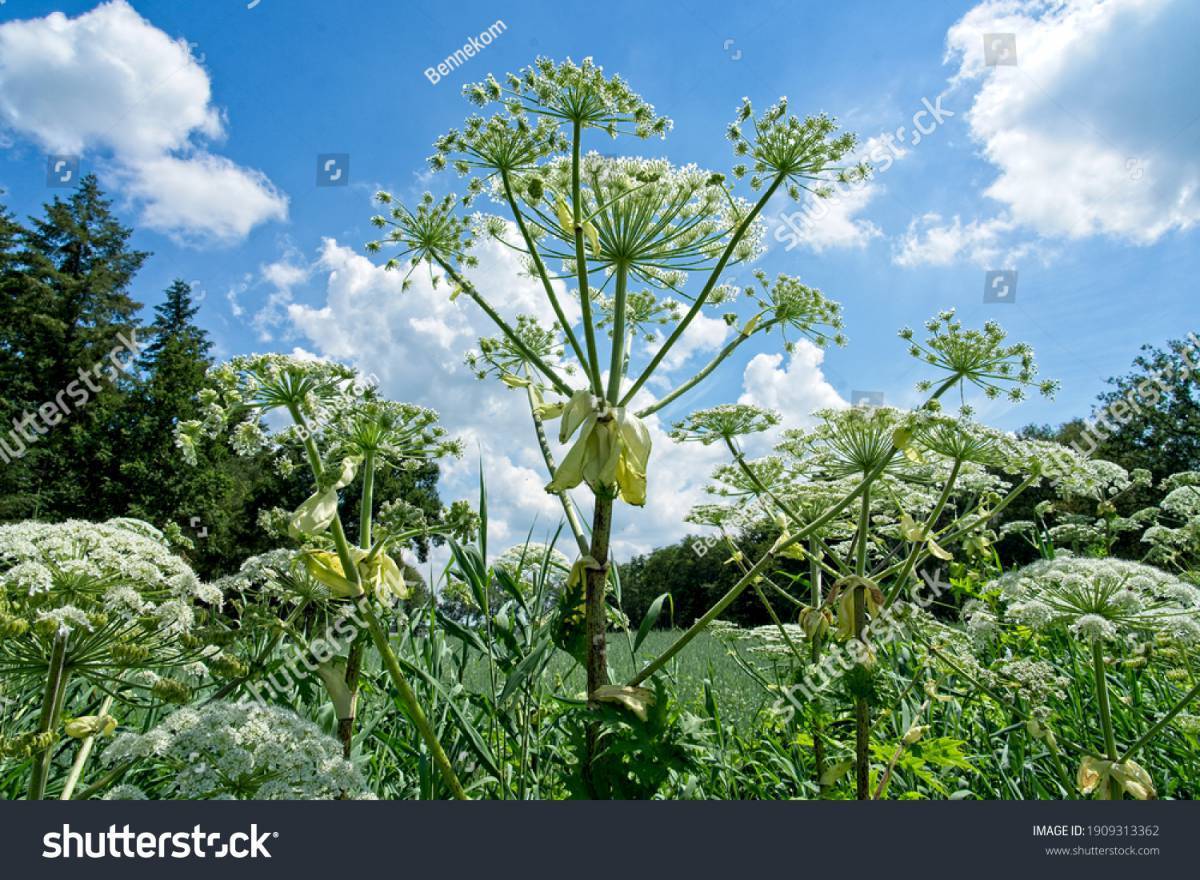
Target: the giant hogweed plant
(632, 245)
(870, 495)
(96, 619)
(343, 431)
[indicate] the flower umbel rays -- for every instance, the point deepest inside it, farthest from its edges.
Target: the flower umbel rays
(978, 357)
(724, 422)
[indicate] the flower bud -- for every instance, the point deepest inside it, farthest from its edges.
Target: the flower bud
(90, 725)
(815, 622)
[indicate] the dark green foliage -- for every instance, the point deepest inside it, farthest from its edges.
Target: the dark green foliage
(67, 309)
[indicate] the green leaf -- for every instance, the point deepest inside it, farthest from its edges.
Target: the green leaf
(651, 618)
(527, 667)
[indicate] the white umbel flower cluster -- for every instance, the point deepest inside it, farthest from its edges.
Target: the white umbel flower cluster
(1097, 599)
(244, 752)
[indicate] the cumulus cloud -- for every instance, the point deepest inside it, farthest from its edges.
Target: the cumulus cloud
(795, 390)
(203, 196)
(111, 82)
(703, 335)
(824, 224)
(989, 244)
(414, 341)
(1092, 131)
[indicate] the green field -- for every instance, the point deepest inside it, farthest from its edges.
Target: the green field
(706, 659)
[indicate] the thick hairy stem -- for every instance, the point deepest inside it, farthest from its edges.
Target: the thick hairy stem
(52, 702)
(597, 585)
(85, 752)
(1110, 740)
(596, 622)
(862, 708)
(354, 656)
(353, 673)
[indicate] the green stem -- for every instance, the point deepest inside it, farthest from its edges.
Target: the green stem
(368, 500)
(409, 699)
(713, 277)
(740, 458)
(519, 344)
(52, 702)
(616, 366)
(585, 296)
(548, 456)
(1110, 741)
(754, 571)
(862, 708)
(902, 577)
(378, 636)
(695, 380)
(1162, 722)
(543, 274)
(106, 780)
(815, 595)
(760, 566)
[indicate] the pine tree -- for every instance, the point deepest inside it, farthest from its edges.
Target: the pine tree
(67, 307)
(10, 238)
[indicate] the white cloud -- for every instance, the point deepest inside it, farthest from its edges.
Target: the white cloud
(989, 244)
(1093, 130)
(822, 224)
(203, 195)
(703, 335)
(795, 390)
(281, 277)
(414, 341)
(111, 82)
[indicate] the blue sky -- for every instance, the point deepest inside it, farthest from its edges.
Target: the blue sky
(1079, 167)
